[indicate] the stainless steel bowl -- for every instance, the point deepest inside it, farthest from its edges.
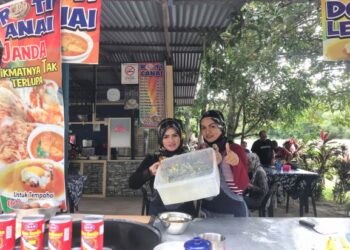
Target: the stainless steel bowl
(175, 222)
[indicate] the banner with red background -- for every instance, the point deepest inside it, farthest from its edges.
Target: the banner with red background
(80, 23)
(31, 106)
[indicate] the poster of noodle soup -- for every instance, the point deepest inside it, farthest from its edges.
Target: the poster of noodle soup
(31, 106)
(80, 24)
(151, 94)
(336, 29)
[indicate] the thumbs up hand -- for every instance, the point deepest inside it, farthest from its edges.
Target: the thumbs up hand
(217, 154)
(231, 157)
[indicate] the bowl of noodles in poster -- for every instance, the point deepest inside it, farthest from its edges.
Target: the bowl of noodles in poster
(46, 142)
(33, 179)
(76, 46)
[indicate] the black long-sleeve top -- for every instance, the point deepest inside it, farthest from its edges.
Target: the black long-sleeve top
(142, 173)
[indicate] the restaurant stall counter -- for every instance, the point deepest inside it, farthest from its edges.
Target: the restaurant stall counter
(106, 177)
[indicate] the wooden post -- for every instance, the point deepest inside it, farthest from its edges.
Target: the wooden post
(169, 91)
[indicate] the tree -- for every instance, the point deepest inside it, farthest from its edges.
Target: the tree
(267, 68)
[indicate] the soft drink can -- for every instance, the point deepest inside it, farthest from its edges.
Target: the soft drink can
(32, 232)
(7, 231)
(60, 233)
(92, 229)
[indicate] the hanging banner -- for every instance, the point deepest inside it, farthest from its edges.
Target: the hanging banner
(336, 29)
(31, 106)
(130, 74)
(151, 94)
(80, 23)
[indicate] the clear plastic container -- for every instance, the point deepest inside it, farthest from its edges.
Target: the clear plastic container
(187, 177)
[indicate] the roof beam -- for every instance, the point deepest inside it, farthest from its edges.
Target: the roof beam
(184, 85)
(150, 44)
(160, 29)
(165, 11)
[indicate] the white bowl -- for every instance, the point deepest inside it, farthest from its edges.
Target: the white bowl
(81, 57)
(41, 129)
(170, 245)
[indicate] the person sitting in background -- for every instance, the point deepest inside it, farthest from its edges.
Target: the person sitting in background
(244, 145)
(292, 147)
(258, 186)
(280, 153)
(233, 166)
(171, 143)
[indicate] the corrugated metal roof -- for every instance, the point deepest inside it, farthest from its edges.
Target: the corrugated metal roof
(133, 31)
(131, 14)
(186, 61)
(197, 14)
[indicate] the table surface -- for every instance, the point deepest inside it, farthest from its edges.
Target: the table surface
(265, 233)
(294, 172)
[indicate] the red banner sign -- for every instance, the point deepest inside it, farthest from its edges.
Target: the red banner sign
(80, 23)
(31, 106)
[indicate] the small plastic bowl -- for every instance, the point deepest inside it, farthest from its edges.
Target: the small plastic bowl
(175, 222)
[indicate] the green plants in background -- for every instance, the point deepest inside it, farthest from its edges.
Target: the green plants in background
(342, 184)
(322, 154)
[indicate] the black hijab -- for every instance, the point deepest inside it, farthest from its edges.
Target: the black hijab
(218, 118)
(163, 126)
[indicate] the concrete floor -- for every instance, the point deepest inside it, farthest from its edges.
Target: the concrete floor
(132, 206)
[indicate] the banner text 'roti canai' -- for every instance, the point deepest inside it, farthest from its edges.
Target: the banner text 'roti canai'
(78, 17)
(30, 27)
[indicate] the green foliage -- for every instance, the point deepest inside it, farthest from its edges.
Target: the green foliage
(323, 155)
(266, 71)
(342, 185)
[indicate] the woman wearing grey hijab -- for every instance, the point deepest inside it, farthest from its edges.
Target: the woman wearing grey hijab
(258, 186)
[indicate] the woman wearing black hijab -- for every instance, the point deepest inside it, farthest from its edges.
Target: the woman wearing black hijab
(170, 142)
(232, 163)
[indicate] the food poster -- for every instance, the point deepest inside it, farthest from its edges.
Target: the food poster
(80, 24)
(31, 106)
(120, 132)
(151, 94)
(336, 29)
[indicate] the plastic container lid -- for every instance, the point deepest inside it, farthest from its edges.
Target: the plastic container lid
(197, 243)
(180, 178)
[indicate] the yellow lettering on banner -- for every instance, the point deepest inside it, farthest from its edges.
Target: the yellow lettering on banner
(27, 82)
(17, 72)
(51, 67)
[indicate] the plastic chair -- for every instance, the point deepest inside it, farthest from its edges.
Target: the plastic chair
(145, 202)
(310, 193)
(267, 203)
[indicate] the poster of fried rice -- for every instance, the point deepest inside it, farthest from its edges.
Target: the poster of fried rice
(31, 106)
